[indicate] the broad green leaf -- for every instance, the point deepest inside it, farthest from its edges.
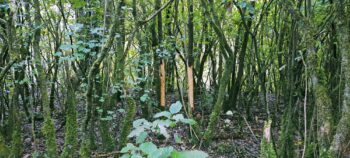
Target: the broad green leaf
(136, 156)
(141, 138)
(101, 100)
(162, 114)
(148, 147)
(242, 4)
(80, 42)
(66, 47)
(144, 97)
(175, 108)
(99, 110)
(165, 123)
(189, 154)
(251, 8)
(139, 122)
(97, 30)
(78, 4)
(108, 118)
(188, 121)
(162, 153)
(178, 117)
(163, 131)
(121, 110)
(172, 124)
(58, 54)
(128, 148)
(137, 131)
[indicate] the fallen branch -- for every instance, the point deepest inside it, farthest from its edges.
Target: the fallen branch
(106, 154)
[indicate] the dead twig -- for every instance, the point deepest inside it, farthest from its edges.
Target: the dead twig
(106, 154)
(250, 129)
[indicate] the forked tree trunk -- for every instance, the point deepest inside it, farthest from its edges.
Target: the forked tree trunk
(224, 80)
(85, 149)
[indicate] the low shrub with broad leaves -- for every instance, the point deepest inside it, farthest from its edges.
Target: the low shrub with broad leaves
(163, 120)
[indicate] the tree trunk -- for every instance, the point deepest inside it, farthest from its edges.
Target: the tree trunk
(190, 57)
(49, 127)
(342, 136)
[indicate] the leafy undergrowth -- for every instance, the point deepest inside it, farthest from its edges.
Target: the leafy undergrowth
(159, 128)
(168, 133)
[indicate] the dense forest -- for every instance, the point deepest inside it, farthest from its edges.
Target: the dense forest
(175, 78)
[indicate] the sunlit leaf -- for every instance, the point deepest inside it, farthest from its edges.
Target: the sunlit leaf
(162, 114)
(175, 108)
(128, 148)
(148, 147)
(141, 137)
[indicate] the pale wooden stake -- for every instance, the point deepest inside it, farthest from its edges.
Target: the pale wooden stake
(162, 84)
(190, 86)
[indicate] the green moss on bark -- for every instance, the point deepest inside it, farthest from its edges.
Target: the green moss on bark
(107, 140)
(4, 151)
(49, 127)
(286, 145)
(85, 151)
(341, 138)
(16, 144)
(71, 129)
(214, 116)
(16, 139)
(127, 123)
(340, 143)
(324, 116)
(50, 135)
(108, 143)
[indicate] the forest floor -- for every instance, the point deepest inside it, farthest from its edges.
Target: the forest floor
(236, 137)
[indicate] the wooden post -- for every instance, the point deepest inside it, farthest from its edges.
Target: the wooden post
(162, 83)
(190, 86)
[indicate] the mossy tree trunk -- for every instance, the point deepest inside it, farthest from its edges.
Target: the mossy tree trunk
(105, 104)
(16, 136)
(120, 57)
(4, 150)
(157, 34)
(340, 143)
(71, 128)
(142, 66)
(85, 149)
(215, 114)
(291, 82)
(15, 115)
(224, 80)
(127, 122)
(190, 56)
(323, 102)
(49, 126)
